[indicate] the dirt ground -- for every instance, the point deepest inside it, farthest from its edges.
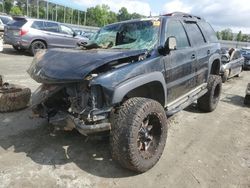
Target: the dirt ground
(202, 150)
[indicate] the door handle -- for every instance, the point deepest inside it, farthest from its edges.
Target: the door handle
(208, 52)
(193, 56)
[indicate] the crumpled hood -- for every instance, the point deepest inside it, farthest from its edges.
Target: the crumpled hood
(70, 65)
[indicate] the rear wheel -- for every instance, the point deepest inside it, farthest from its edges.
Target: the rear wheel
(18, 49)
(138, 134)
(37, 45)
(209, 101)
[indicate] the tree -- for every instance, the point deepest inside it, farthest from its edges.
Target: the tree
(123, 14)
(16, 11)
(218, 35)
(8, 5)
(245, 38)
(227, 34)
(98, 15)
(239, 36)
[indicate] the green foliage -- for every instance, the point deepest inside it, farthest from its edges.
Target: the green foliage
(99, 15)
(227, 34)
(16, 11)
(218, 35)
(245, 38)
(239, 36)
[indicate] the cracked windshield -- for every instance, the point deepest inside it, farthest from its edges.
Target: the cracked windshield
(132, 35)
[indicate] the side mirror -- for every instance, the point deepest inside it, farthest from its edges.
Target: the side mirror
(169, 45)
(74, 34)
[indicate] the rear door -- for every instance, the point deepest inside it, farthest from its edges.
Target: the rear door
(179, 64)
(202, 51)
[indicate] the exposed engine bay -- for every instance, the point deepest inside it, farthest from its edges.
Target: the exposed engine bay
(70, 105)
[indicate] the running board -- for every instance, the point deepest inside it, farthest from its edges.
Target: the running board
(187, 99)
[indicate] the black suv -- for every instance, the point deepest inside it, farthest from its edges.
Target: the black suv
(128, 80)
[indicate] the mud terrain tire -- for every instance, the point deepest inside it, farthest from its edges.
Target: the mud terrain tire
(15, 99)
(138, 133)
(209, 101)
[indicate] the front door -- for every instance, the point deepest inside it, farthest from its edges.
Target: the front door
(180, 63)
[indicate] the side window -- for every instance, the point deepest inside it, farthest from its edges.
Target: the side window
(236, 55)
(52, 27)
(195, 34)
(176, 29)
(66, 30)
(208, 30)
(38, 25)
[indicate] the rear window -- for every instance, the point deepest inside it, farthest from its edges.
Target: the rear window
(209, 32)
(17, 23)
(5, 19)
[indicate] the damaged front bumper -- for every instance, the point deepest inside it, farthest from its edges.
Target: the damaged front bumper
(68, 122)
(88, 121)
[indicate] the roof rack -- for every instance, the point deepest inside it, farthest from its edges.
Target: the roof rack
(182, 14)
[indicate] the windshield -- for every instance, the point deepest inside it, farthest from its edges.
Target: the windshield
(132, 35)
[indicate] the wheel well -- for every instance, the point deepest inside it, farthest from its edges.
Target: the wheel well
(40, 40)
(153, 90)
(215, 68)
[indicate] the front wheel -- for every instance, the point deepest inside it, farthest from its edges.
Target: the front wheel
(138, 134)
(37, 45)
(209, 101)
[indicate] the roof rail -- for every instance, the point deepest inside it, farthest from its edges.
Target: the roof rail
(182, 14)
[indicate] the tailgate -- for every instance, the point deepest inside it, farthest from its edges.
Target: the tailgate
(13, 28)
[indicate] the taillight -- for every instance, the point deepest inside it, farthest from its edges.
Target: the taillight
(23, 32)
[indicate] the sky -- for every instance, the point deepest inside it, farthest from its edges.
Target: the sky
(221, 14)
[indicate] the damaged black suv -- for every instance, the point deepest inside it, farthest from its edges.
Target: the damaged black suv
(128, 80)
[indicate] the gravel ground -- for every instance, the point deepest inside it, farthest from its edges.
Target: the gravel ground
(202, 150)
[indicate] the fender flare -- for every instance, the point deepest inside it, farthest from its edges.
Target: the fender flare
(125, 87)
(211, 60)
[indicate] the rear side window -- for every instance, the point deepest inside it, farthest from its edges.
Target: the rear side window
(17, 23)
(195, 34)
(38, 25)
(51, 26)
(208, 30)
(175, 28)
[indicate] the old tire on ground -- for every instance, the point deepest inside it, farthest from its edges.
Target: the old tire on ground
(209, 101)
(138, 133)
(14, 100)
(37, 45)
(225, 76)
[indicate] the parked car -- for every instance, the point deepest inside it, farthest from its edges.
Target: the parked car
(232, 63)
(246, 54)
(4, 19)
(125, 81)
(35, 34)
